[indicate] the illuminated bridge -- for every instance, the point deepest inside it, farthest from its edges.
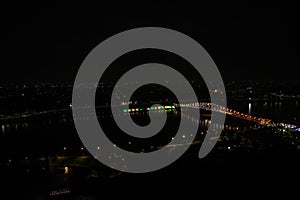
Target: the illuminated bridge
(208, 107)
(228, 111)
(220, 109)
(202, 105)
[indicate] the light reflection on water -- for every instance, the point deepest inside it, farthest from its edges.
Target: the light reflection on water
(281, 111)
(278, 111)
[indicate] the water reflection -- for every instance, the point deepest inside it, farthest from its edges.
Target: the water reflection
(278, 111)
(205, 123)
(249, 109)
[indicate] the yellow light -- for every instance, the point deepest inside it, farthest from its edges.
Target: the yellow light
(66, 170)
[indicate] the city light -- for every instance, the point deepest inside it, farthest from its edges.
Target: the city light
(155, 108)
(66, 170)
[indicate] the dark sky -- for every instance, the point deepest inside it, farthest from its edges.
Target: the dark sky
(50, 44)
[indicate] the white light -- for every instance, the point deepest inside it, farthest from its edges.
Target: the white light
(98, 148)
(183, 136)
(228, 148)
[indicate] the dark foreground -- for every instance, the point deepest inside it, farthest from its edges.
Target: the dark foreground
(223, 174)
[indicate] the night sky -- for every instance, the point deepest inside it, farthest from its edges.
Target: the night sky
(48, 45)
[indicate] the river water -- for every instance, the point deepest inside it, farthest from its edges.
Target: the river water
(278, 111)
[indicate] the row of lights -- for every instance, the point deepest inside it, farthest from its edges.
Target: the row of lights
(148, 109)
(65, 148)
(230, 111)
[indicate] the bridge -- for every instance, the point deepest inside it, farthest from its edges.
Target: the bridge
(197, 105)
(221, 109)
(227, 111)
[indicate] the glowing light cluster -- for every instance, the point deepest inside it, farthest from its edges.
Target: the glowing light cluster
(149, 109)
